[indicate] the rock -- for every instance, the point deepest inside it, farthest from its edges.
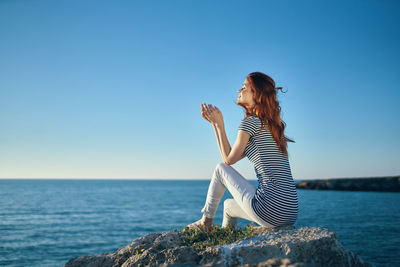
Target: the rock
(377, 184)
(279, 246)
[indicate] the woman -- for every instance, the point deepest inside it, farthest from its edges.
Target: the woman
(261, 138)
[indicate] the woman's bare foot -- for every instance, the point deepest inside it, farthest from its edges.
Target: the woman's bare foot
(204, 224)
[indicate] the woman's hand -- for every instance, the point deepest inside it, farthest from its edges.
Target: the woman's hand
(212, 114)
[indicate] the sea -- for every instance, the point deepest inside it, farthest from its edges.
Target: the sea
(46, 222)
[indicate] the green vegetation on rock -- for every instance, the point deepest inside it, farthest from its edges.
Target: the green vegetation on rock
(200, 240)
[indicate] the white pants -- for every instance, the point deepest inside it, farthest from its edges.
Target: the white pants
(226, 177)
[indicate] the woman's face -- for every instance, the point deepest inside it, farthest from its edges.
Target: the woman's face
(245, 96)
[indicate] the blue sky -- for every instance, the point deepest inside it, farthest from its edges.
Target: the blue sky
(112, 89)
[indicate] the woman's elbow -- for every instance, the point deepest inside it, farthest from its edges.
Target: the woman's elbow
(229, 161)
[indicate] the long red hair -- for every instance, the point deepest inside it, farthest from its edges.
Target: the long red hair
(267, 107)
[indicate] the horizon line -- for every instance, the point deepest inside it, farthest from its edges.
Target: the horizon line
(183, 179)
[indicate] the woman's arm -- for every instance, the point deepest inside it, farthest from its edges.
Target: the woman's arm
(228, 154)
(223, 142)
(231, 155)
(219, 140)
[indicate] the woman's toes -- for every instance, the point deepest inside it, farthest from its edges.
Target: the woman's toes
(201, 225)
(195, 224)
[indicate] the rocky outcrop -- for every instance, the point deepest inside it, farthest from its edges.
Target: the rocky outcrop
(280, 246)
(378, 184)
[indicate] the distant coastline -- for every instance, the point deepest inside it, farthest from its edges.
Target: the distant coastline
(375, 184)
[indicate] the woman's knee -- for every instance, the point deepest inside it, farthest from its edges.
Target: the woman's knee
(217, 169)
(228, 204)
(221, 167)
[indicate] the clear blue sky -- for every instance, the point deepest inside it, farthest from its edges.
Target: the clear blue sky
(112, 89)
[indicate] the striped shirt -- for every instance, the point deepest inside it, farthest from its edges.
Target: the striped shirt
(275, 200)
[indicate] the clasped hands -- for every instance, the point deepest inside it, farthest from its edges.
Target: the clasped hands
(212, 114)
